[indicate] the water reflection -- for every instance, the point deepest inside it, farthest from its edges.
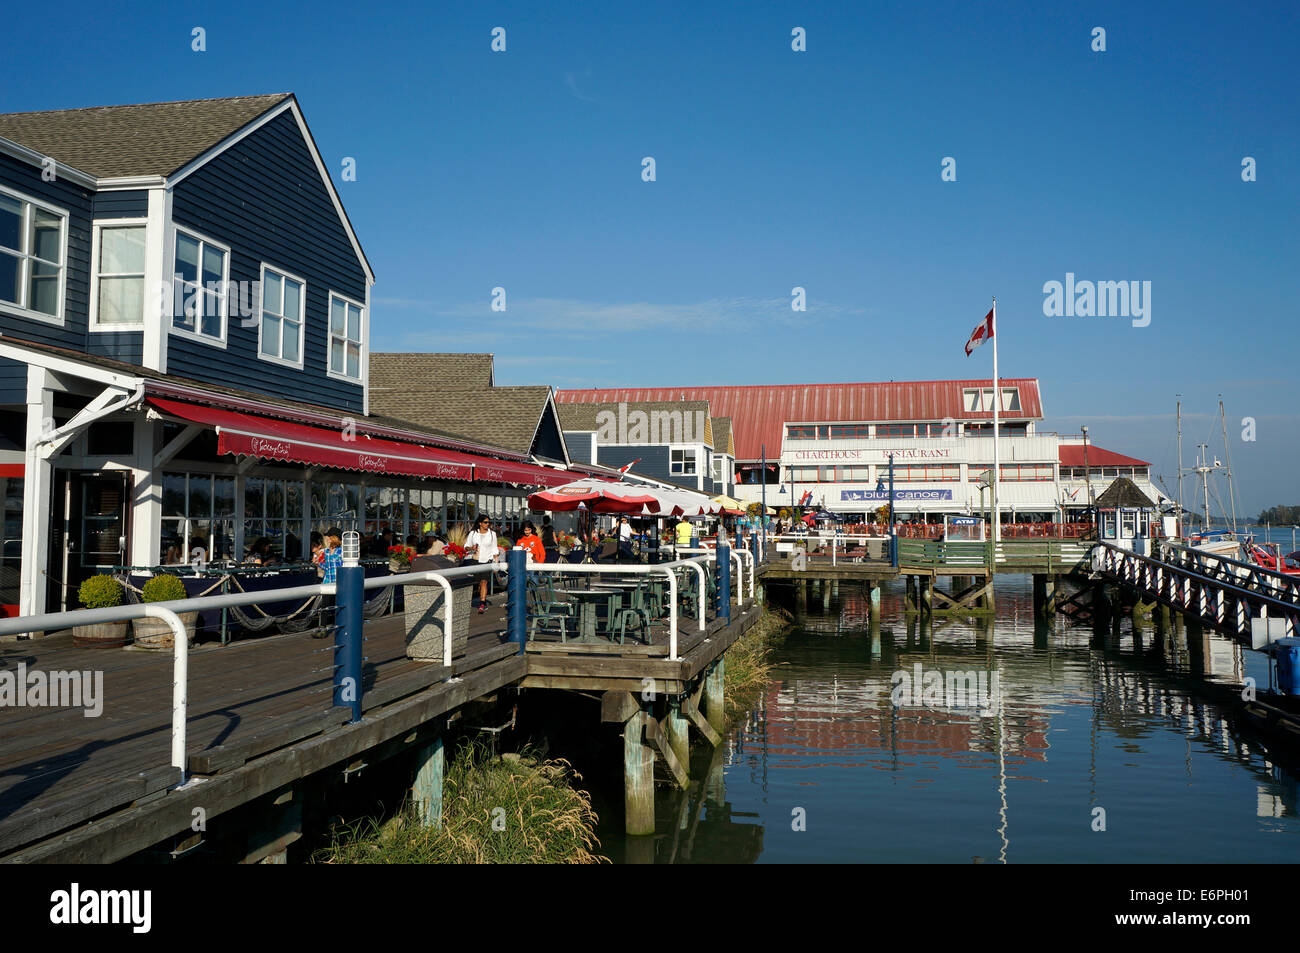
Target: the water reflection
(1092, 748)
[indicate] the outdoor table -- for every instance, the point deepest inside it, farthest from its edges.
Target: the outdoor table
(587, 600)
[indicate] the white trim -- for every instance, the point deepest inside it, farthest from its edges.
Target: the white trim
(62, 365)
(289, 104)
(153, 348)
(302, 318)
(174, 232)
(62, 171)
(125, 183)
(363, 360)
(24, 271)
(365, 367)
(97, 227)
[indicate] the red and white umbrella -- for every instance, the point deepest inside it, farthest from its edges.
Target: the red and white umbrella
(599, 496)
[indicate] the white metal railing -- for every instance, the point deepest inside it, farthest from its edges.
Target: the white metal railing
(443, 577)
(646, 569)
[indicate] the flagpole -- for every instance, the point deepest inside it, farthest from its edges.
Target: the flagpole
(997, 401)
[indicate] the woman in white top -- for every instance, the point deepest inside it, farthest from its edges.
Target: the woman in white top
(482, 545)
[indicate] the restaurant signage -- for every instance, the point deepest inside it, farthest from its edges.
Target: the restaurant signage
(882, 496)
(913, 453)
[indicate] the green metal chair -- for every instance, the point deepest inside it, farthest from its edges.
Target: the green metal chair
(546, 610)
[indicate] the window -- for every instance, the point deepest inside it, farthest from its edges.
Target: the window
(803, 474)
(719, 474)
(851, 432)
(345, 338)
(895, 430)
(199, 277)
(32, 256)
(273, 510)
(1016, 472)
(117, 279)
(801, 433)
(682, 462)
(981, 400)
(924, 473)
(1127, 524)
(280, 334)
(198, 511)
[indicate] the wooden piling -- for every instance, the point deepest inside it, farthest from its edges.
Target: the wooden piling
(715, 696)
(638, 778)
(677, 728)
(925, 586)
(426, 792)
(873, 599)
(1040, 595)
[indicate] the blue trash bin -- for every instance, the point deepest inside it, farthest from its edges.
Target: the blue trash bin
(1287, 654)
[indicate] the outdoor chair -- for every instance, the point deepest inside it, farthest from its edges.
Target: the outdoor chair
(546, 610)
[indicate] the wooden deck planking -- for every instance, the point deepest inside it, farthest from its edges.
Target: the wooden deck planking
(59, 768)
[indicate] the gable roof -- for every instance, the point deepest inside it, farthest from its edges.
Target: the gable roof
(759, 412)
(502, 416)
(1124, 492)
(402, 371)
(144, 139)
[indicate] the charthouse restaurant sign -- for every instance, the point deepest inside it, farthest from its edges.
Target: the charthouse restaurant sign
(914, 453)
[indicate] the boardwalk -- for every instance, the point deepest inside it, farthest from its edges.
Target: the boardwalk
(260, 717)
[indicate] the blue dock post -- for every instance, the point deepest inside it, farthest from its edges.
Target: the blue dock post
(517, 596)
(350, 595)
(724, 582)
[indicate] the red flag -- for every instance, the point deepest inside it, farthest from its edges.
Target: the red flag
(983, 331)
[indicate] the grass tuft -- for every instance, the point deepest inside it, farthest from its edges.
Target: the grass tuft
(510, 810)
(749, 663)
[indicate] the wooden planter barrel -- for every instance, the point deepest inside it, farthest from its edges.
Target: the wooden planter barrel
(102, 635)
(426, 613)
(157, 635)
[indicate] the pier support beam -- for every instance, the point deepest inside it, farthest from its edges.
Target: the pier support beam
(676, 727)
(715, 696)
(873, 599)
(426, 792)
(826, 597)
(909, 603)
(925, 584)
(638, 778)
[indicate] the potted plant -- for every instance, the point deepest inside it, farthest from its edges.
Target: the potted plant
(426, 612)
(100, 592)
(399, 558)
(564, 542)
(156, 633)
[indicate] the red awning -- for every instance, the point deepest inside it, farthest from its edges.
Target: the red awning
(272, 439)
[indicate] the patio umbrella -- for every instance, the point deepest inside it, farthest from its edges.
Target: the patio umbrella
(730, 505)
(600, 496)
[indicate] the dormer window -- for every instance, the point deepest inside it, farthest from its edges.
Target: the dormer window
(280, 331)
(117, 278)
(200, 271)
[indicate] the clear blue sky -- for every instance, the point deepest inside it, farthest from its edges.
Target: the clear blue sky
(778, 169)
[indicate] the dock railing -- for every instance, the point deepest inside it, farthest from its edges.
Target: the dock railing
(348, 643)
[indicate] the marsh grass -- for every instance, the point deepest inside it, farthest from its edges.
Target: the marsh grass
(516, 809)
(749, 661)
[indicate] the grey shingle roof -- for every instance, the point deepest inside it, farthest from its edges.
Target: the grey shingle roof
(144, 139)
(1124, 492)
(402, 370)
(501, 416)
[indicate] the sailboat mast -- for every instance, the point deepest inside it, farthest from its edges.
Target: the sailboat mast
(1205, 485)
(1227, 453)
(1180, 467)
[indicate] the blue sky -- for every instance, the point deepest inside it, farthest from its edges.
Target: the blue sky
(776, 169)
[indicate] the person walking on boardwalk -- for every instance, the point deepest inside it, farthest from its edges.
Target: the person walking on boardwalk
(533, 543)
(482, 545)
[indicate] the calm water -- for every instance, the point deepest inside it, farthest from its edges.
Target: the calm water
(1130, 725)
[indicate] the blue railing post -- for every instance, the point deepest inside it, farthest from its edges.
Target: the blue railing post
(753, 547)
(517, 596)
(724, 582)
(350, 595)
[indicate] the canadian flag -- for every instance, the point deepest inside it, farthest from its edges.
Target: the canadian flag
(983, 331)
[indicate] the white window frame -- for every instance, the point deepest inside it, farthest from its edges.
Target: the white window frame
(329, 340)
(302, 322)
(25, 258)
(97, 227)
(196, 335)
(684, 448)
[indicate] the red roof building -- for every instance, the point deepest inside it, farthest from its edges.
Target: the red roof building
(759, 413)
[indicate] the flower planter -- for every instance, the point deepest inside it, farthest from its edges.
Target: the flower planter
(102, 635)
(426, 613)
(155, 634)
(396, 566)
